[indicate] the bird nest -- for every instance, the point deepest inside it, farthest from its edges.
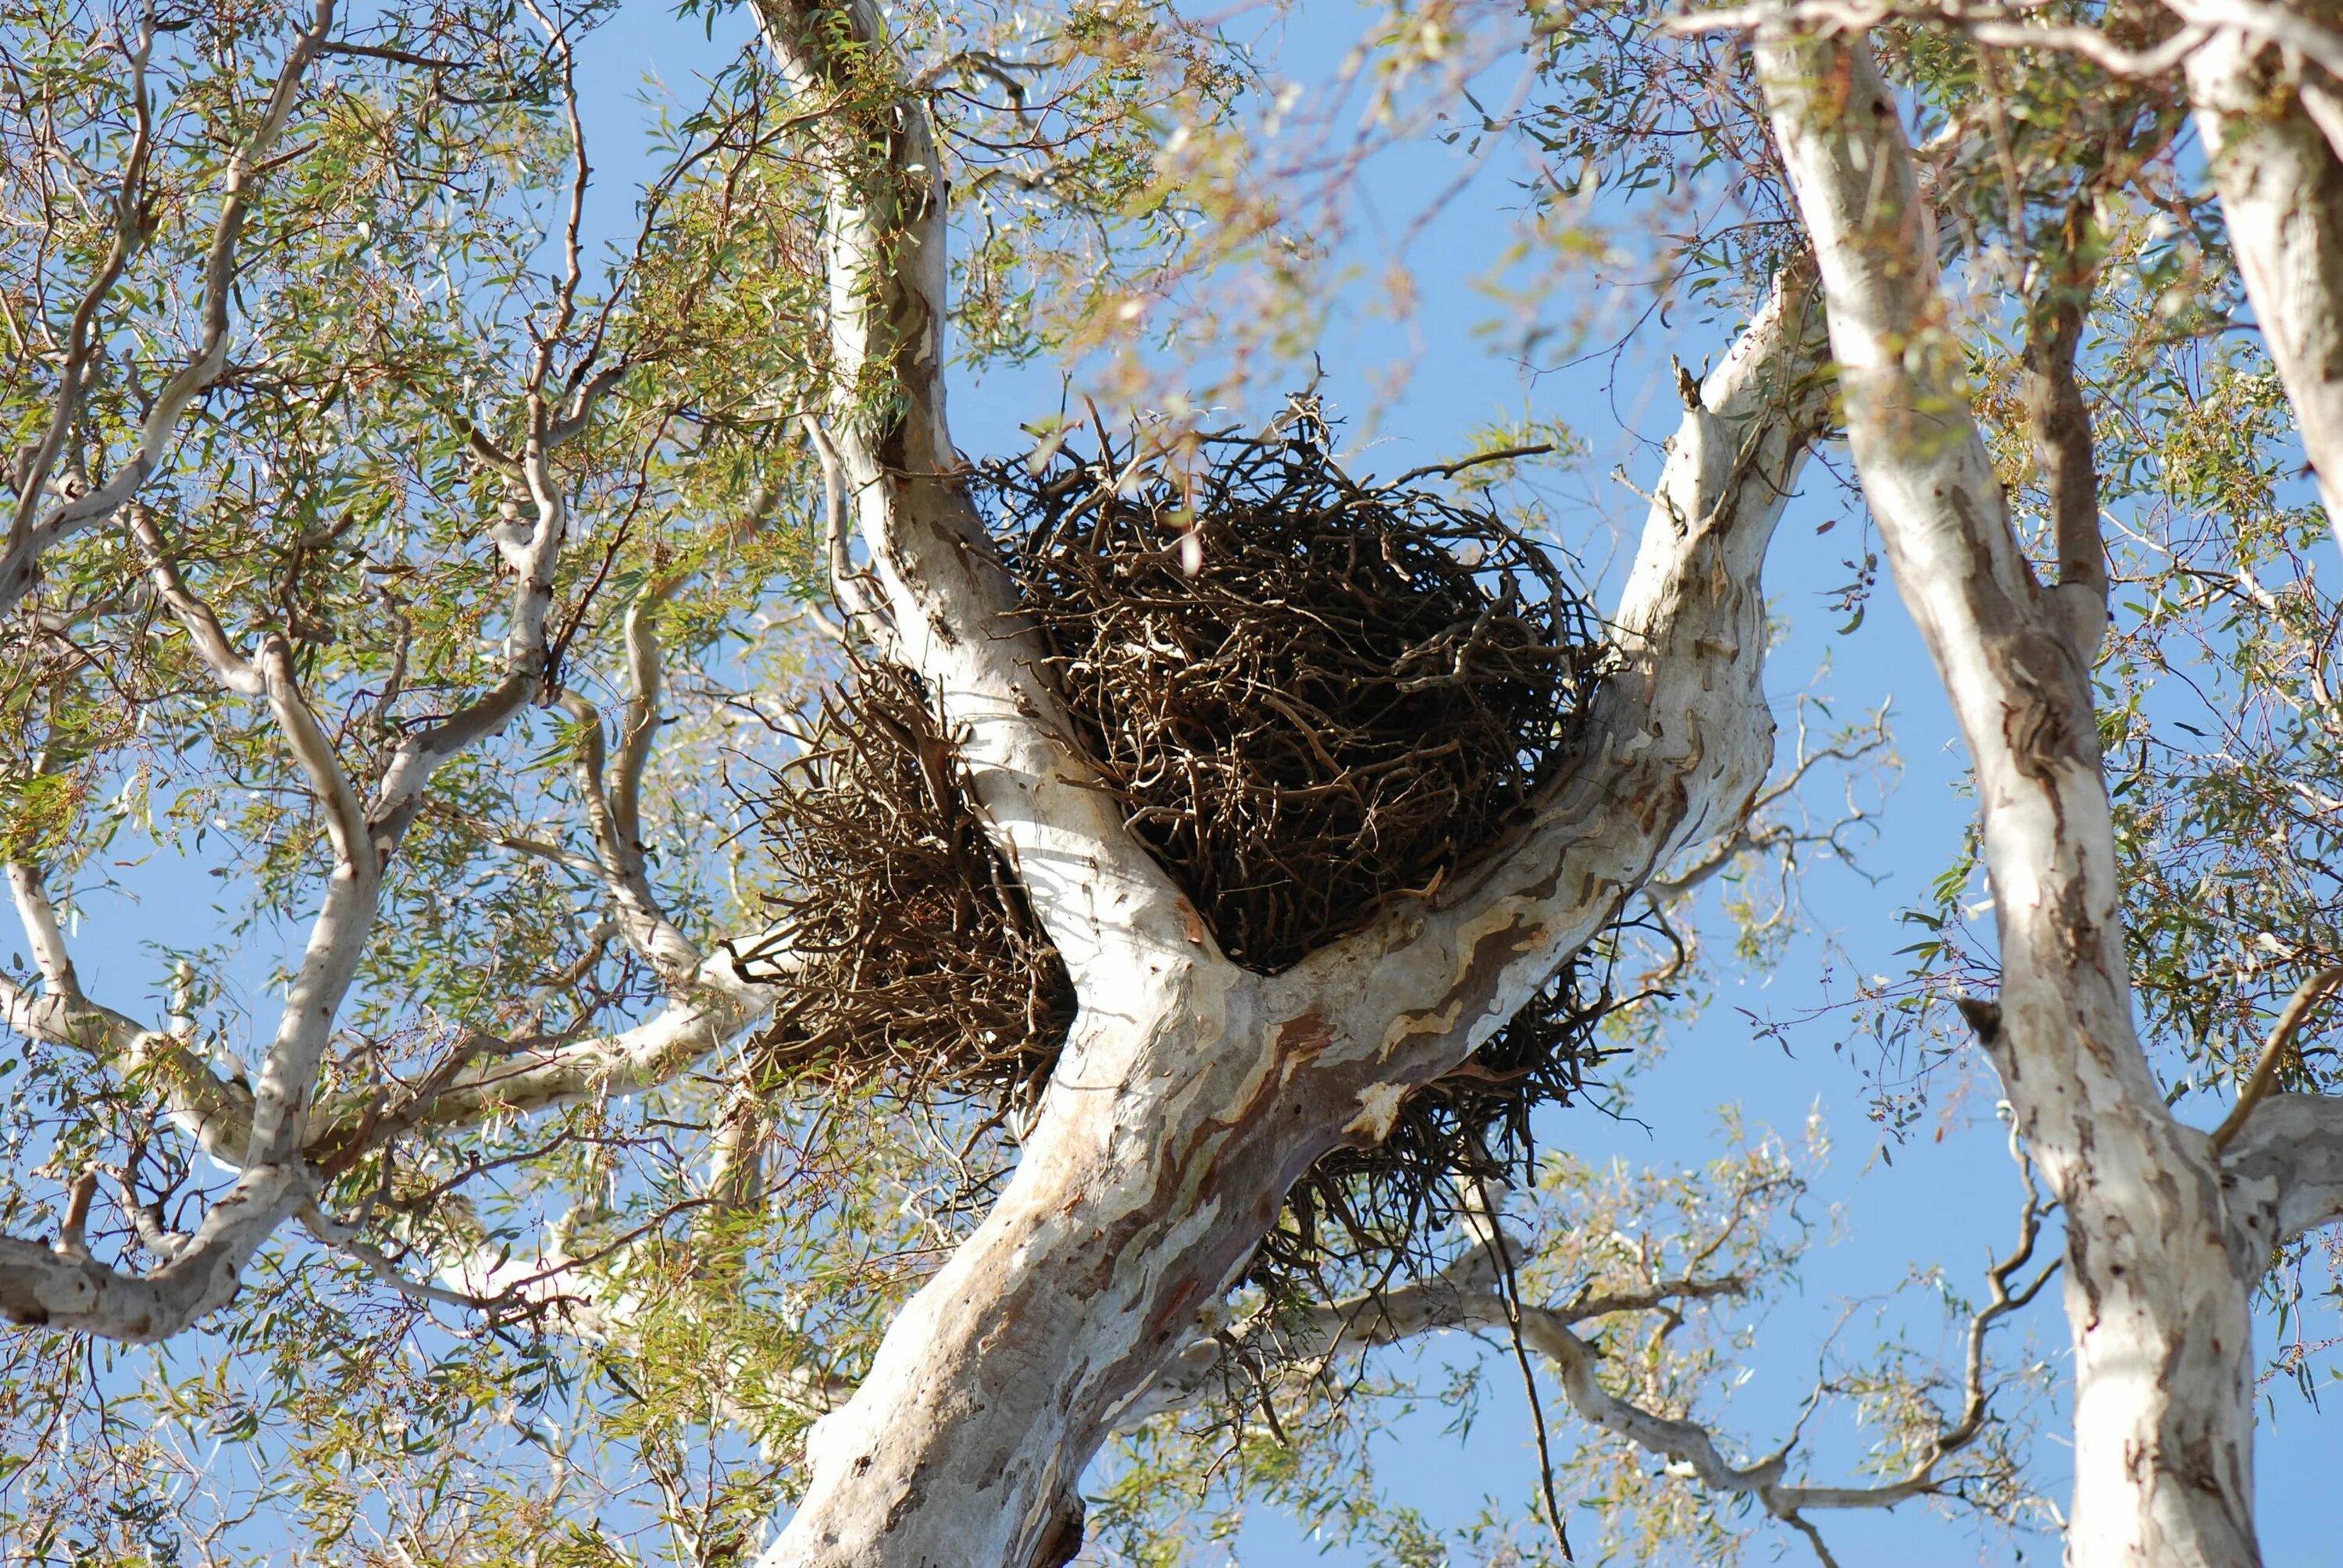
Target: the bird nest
(910, 957)
(1308, 693)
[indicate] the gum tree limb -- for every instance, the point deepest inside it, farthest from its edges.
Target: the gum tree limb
(2156, 1276)
(1190, 1093)
(34, 531)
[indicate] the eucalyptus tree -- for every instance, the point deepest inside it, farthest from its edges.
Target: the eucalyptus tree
(446, 585)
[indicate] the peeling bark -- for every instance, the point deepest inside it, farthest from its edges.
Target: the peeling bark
(2158, 1283)
(1190, 1093)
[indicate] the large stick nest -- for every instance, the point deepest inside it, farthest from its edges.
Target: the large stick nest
(1308, 693)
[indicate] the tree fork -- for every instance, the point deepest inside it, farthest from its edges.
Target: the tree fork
(1192, 1093)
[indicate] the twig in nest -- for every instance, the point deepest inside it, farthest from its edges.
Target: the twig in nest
(916, 962)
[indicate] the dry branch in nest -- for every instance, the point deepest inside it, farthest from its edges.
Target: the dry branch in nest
(913, 960)
(1310, 694)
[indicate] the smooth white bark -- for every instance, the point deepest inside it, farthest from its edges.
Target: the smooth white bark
(1192, 1094)
(2270, 124)
(953, 613)
(2158, 1277)
(2284, 1169)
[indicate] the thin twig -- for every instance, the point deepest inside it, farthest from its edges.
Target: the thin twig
(1509, 1286)
(2308, 994)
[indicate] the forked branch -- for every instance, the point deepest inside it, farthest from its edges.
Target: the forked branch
(937, 578)
(1468, 1296)
(34, 531)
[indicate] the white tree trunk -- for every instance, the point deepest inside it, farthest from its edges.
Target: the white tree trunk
(1192, 1094)
(2159, 1271)
(2266, 118)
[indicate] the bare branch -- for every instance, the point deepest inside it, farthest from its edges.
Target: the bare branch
(73, 1229)
(246, 167)
(1449, 470)
(1207, 1365)
(642, 716)
(1750, 836)
(2001, 1301)
(344, 1240)
(846, 584)
(215, 1113)
(2290, 1020)
(487, 1080)
(1467, 1295)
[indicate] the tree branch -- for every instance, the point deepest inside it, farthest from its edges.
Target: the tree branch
(621, 866)
(269, 676)
(846, 584)
(490, 1080)
(2153, 1280)
(532, 551)
(42, 930)
(1072, 1294)
(132, 230)
(215, 1113)
(45, 1285)
(345, 921)
(2294, 1144)
(1676, 747)
(2019, 25)
(2060, 424)
(1749, 836)
(2307, 995)
(1465, 1295)
(1101, 895)
(279, 1109)
(1178, 1061)
(2281, 187)
(246, 166)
